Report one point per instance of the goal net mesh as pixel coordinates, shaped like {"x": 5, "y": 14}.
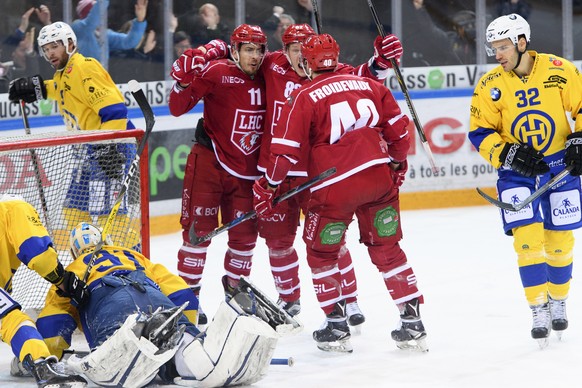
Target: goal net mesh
{"x": 72, "y": 177}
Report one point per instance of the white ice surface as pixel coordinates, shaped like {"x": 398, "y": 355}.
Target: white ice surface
{"x": 475, "y": 312}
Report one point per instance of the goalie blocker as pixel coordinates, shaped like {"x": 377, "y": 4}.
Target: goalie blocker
{"x": 236, "y": 348}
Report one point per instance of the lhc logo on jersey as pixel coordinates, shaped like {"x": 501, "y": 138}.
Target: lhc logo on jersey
{"x": 536, "y": 128}
{"x": 247, "y": 130}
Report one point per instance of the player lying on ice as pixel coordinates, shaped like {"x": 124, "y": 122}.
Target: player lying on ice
{"x": 140, "y": 319}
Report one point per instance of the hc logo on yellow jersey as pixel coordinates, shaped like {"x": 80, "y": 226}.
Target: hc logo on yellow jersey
{"x": 534, "y": 127}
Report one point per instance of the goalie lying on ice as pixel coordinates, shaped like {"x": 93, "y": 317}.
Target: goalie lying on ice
{"x": 139, "y": 321}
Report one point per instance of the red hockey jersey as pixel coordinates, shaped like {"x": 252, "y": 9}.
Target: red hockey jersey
{"x": 344, "y": 121}
{"x": 234, "y": 114}
{"x": 280, "y": 81}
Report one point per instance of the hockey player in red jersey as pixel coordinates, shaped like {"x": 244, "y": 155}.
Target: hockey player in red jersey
{"x": 355, "y": 125}
{"x": 283, "y": 74}
{"x": 222, "y": 165}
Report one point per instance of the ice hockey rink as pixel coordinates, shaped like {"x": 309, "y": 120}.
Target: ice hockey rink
{"x": 477, "y": 319}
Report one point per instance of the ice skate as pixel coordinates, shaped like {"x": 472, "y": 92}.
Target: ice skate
{"x": 17, "y": 369}
{"x": 541, "y": 327}
{"x": 334, "y": 335}
{"x": 559, "y": 317}
{"x": 292, "y": 308}
{"x": 410, "y": 333}
{"x": 355, "y": 316}
{"x": 49, "y": 373}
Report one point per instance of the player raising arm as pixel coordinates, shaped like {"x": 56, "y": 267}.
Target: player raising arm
{"x": 24, "y": 240}
{"x": 283, "y": 74}
{"x": 222, "y": 165}
{"x": 353, "y": 124}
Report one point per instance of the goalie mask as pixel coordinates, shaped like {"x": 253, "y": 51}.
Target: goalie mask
{"x": 84, "y": 238}
{"x": 506, "y": 27}
{"x": 57, "y": 32}
{"x": 320, "y": 53}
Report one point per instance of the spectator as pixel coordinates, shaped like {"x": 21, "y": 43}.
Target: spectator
{"x": 86, "y": 29}
{"x": 520, "y": 7}
{"x": 463, "y": 42}
{"x": 17, "y": 51}
{"x": 123, "y": 63}
{"x": 204, "y": 25}
{"x": 426, "y": 44}
{"x": 276, "y": 26}
{"x": 181, "y": 43}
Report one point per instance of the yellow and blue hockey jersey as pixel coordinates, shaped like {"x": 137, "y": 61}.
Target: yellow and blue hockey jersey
{"x": 529, "y": 110}
{"x": 87, "y": 97}
{"x": 24, "y": 239}
{"x": 59, "y": 318}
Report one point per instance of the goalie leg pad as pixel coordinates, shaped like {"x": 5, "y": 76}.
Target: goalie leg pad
{"x": 123, "y": 359}
{"x": 237, "y": 349}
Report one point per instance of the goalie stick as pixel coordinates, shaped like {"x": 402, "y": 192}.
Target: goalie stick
{"x": 148, "y": 115}
{"x": 195, "y": 240}
{"x": 535, "y": 195}
{"x": 35, "y": 165}
{"x": 400, "y": 78}
{"x": 290, "y": 361}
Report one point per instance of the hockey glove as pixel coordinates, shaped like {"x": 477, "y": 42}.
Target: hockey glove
{"x": 573, "y": 155}
{"x": 399, "y": 173}
{"x": 385, "y": 49}
{"x": 188, "y": 66}
{"x": 74, "y": 288}
{"x": 523, "y": 159}
{"x": 29, "y": 89}
{"x": 111, "y": 161}
{"x": 263, "y": 198}
{"x": 215, "y": 49}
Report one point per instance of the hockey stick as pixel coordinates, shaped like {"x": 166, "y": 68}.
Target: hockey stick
{"x": 83, "y": 353}
{"x": 148, "y": 115}
{"x": 404, "y": 89}
{"x": 36, "y": 166}
{"x": 517, "y": 207}
{"x": 316, "y": 16}
{"x": 195, "y": 240}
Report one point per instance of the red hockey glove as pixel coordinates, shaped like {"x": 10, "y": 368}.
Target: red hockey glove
{"x": 188, "y": 66}
{"x": 385, "y": 49}
{"x": 399, "y": 173}
{"x": 215, "y": 49}
{"x": 263, "y": 198}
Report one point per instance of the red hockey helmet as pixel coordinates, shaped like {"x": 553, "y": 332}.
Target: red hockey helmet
{"x": 246, "y": 33}
{"x": 321, "y": 52}
{"x": 297, "y": 33}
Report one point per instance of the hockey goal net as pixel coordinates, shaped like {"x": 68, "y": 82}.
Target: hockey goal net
{"x": 71, "y": 177}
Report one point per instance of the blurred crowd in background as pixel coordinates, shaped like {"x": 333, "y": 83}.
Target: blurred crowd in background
{"x": 433, "y": 32}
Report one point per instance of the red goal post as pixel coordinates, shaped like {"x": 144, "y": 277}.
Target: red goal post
{"x": 67, "y": 178}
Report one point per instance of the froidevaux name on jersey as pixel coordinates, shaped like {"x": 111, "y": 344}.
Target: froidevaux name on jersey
{"x": 338, "y": 87}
